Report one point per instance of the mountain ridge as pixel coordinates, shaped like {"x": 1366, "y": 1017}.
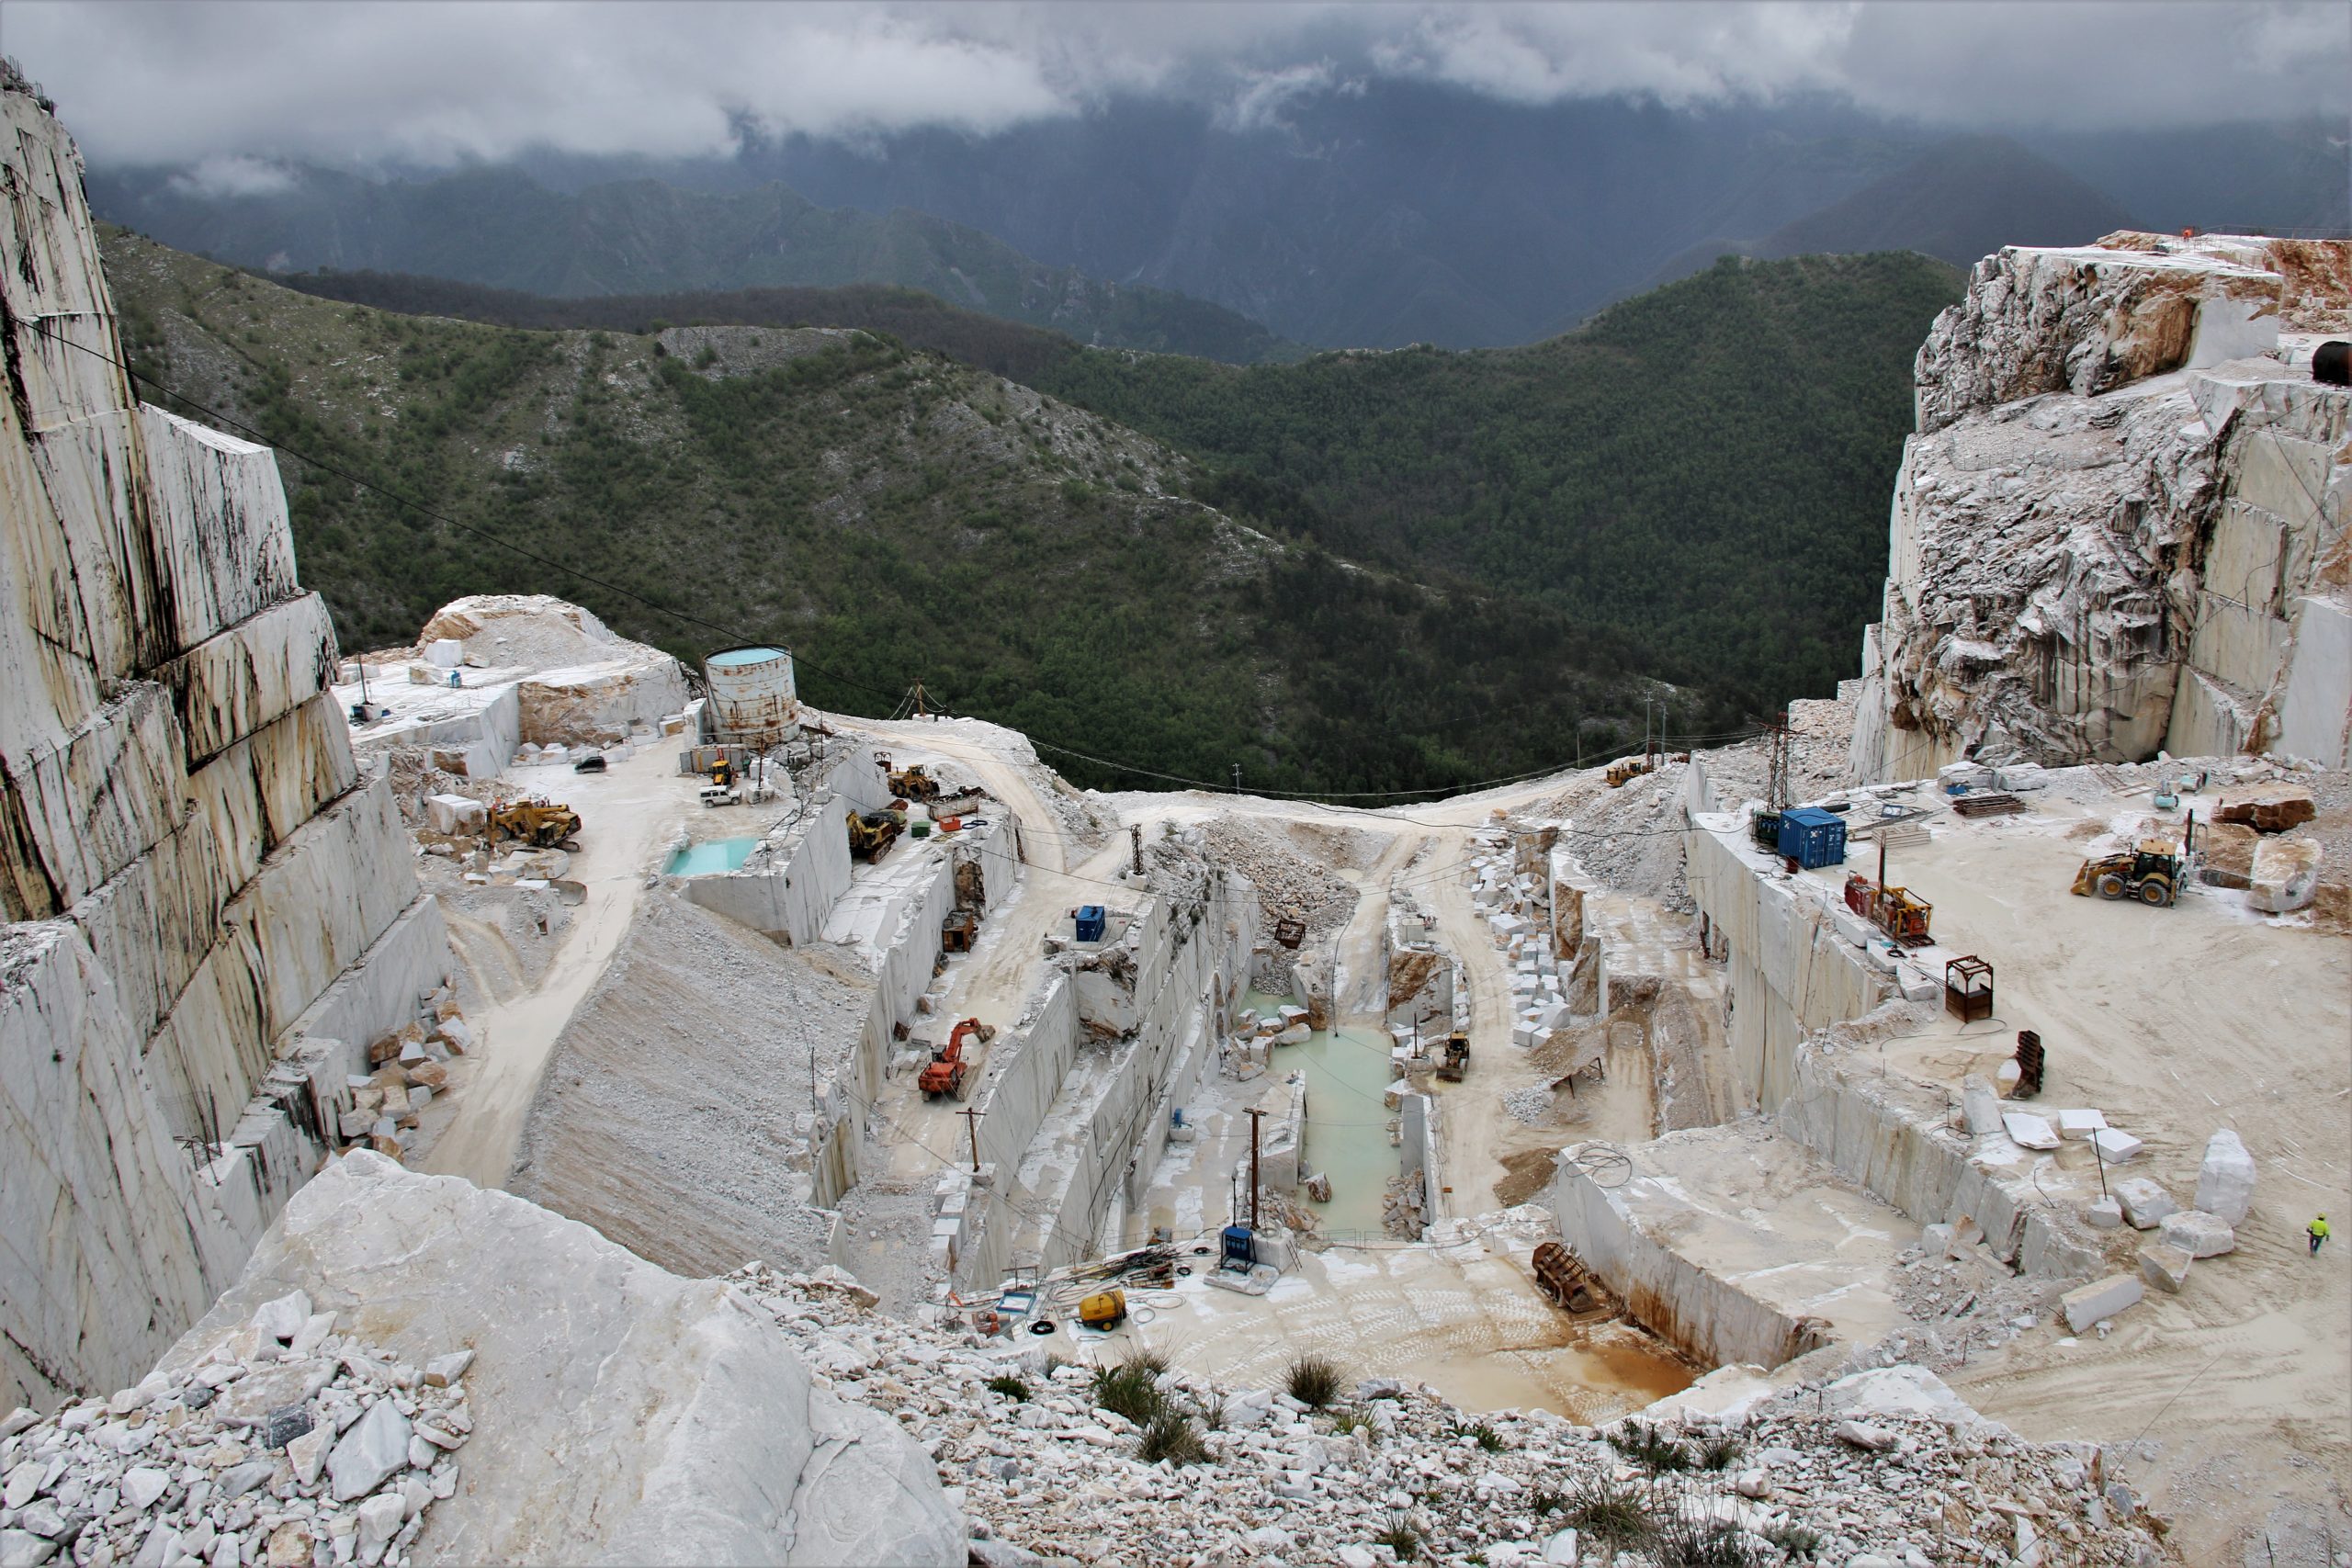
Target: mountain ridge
{"x": 498, "y": 227}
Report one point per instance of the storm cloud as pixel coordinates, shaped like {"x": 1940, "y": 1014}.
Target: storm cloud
{"x": 224, "y": 88}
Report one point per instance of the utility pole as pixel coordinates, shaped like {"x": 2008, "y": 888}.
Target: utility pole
{"x": 1237, "y": 778}
{"x": 1254, "y": 1114}
{"x": 1135, "y": 834}
{"x": 972, "y": 1120}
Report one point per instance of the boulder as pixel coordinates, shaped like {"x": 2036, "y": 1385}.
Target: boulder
{"x": 2267, "y": 808}
{"x": 2145, "y": 1205}
{"x": 2225, "y": 1182}
{"x": 2079, "y": 1123}
{"x": 2114, "y": 1145}
{"x": 2164, "y": 1265}
{"x": 1980, "y": 1105}
{"x": 2029, "y": 1130}
{"x": 1863, "y": 1436}
{"x": 2103, "y": 1213}
{"x": 2200, "y": 1235}
{"x": 2099, "y": 1300}
{"x": 730, "y": 1454}
{"x": 2285, "y": 875}
{"x": 374, "y": 1448}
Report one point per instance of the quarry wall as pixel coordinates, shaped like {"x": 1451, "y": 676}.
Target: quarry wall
{"x": 199, "y": 881}
{"x": 1799, "y": 962}
{"x": 2122, "y": 524}
{"x": 1076, "y": 1119}
{"x": 1697, "y": 1311}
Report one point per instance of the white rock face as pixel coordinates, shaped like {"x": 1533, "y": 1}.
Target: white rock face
{"x": 2090, "y": 320}
{"x": 2120, "y": 526}
{"x": 621, "y": 1414}
{"x": 2225, "y": 1180}
{"x": 197, "y": 871}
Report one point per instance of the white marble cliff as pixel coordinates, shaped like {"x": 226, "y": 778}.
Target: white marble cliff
{"x": 212, "y": 912}
{"x": 2120, "y": 526}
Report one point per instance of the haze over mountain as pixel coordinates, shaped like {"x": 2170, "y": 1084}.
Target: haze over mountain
{"x": 1960, "y": 201}
{"x": 1341, "y": 175}
{"x": 1395, "y": 213}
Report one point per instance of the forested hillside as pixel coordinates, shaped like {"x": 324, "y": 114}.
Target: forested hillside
{"x": 891, "y": 514}
{"x": 1702, "y": 469}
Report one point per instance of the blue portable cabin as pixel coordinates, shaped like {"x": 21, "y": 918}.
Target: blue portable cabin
{"x": 1092, "y": 922}
{"x": 1813, "y": 837}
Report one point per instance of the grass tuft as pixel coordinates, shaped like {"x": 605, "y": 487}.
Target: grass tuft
{"x": 1718, "y": 1453}
{"x": 1129, "y": 1390}
{"x": 1649, "y": 1447}
{"x": 1687, "y": 1543}
{"x": 1618, "y": 1516}
{"x": 1314, "y": 1381}
{"x": 1009, "y": 1385}
{"x": 1173, "y": 1436}
{"x": 1399, "y": 1537}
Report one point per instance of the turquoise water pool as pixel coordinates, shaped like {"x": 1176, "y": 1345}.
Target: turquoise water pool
{"x": 719, "y": 854}
{"x": 1347, "y": 1124}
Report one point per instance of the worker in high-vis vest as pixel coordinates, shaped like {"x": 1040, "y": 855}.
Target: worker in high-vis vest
{"x": 2318, "y": 1231}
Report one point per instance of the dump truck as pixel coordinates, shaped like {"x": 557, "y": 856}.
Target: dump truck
{"x": 2150, "y": 871}
{"x": 956, "y": 1066}
{"x": 542, "y": 824}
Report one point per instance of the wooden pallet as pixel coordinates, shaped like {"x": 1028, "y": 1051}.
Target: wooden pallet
{"x": 1988, "y": 804}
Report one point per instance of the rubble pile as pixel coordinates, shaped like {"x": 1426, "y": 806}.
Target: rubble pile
{"x": 287, "y": 1444}
{"x": 1630, "y": 837}
{"x": 406, "y": 1068}
{"x": 1875, "y": 1470}
{"x": 1289, "y": 884}
{"x": 1531, "y": 1104}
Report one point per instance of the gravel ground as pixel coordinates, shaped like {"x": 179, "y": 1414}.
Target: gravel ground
{"x": 1827, "y": 1475}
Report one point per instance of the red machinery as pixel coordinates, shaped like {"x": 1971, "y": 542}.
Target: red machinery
{"x": 949, "y": 1071}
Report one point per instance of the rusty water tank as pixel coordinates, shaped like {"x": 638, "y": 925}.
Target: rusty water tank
{"x": 752, "y": 694}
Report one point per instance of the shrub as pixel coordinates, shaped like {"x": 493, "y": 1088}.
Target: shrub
{"x": 1312, "y": 1381}
{"x": 1792, "y": 1539}
{"x": 1173, "y": 1436}
{"x": 1010, "y": 1386}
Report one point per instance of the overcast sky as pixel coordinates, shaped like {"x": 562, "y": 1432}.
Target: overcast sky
{"x": 192, "y": 80}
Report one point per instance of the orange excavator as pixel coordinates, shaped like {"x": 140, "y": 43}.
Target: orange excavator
{"x": 950, "y": 1071}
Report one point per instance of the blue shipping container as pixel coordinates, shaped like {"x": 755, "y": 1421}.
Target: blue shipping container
{"x": 1813, "y": 837}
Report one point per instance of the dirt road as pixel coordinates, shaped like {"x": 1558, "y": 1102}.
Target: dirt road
{"x": 628, "y": 813}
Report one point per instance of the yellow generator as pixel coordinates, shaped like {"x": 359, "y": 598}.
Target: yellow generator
{"x": 1107, "y": 1310}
